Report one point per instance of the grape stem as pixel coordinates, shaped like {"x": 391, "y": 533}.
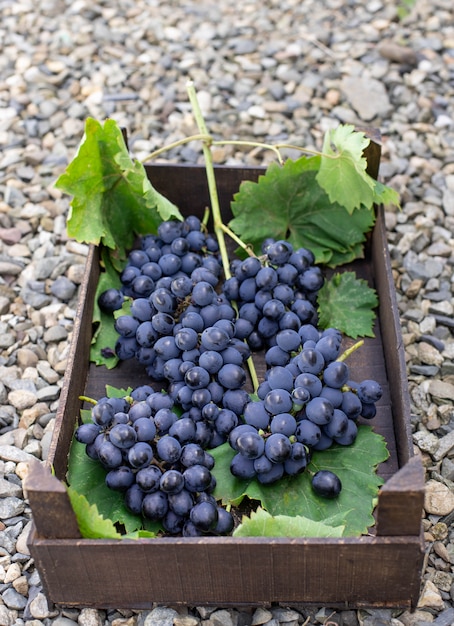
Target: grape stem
{"x": 211, "y": 179}
{"x": 346, "y": 353}
{"x": 219, "y": 227}
{"x": 87, "y": 399}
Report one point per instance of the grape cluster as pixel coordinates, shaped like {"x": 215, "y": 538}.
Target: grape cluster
{"x": 194, "y": 331}
{"x": 274, "y": 292}
{"x": 307, "y": 404}
{"x": 151, "y": 456}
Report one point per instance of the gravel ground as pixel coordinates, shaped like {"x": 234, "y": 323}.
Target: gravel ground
{"x": 268, "y": 71}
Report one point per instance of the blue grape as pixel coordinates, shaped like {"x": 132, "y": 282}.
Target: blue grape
{"x": 181, "y": 286}
{"x": 102, "y": 413}
{"x": 146, "y": 335}
{"x": 148, "y": 478}
{"x": 173, "y": 523}
{"x": 120, "y": 478}
{"x": 211, "y": 361}
{"x": 288, "y": 340}
{"x": 336, "y": 374}
{"x": 262, "y": 464}
{"x": 197, "y": 377}
{"x": 152, "y": 269}
{"x": 140, "y": 455}
{"x": 241, "y": 467}
{"x": 273, "y": 475}
{"x": 349, "y": 436}
{"x": 237, "y": 431}
{"x": 186, "y": 338}
{"x": 197, "y": 478}
{"x": 225, "y": 421}
{"x": 109, "y": 455}
{"x": 279, "y": 252}
{"x": 142, "y": 309}
{"x": 311, "y": 382}
{"x": 138, "y": 410}
{"x": 214, "y": 338}
{"x": 276, "y": 356}
{"x": 311, "y": 279}
{"x": 225, "y": 522}
{"x": 192, "y": 319}
{"x": 278, "y": 401}
{"x": 133, "y": 499}
{"x": 280, "y": 377}
{"x": 326, "y": 484}
{"x": 203, "y": 294}
{"x": 307, "y": 432}
{"x": 204, "y": 516}
{"x": 129, "y": 274}
{"x": 155, "y": 505}
{"x": 266, "y": 278}
{"x": 319, "y": 411}
{"x": 181, "y": 503}
{"x": 126, "y": 326}
{"x": 368, "y": 410}
{"x": 351, "y": 405}
{"x": 250, "y": 444}
{"x": 310, "y": 360}
{"x": 337, "y": 425}
{"x": 171, "y": 481}
{"x": 183, "y": 430}
{"x": 110, "y": 300}
{"x": 123, "y": 436}
{"x": 235, "y": 400}
{"x": 278, "y": 447}
{"x": 163, "y": 300}
{"x": 163, "y": 323}
{"x": 283, "y": 423}
{"x": 369, "y": 391}
{"x": 247, "y": 290}
{"x": 335, "y": 396}
{"x": 231, "y": 376}
{"x": 145, "y": 429}
{"x": 87, "y": 433}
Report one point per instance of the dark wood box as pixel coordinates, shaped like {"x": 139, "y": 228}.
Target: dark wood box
{"x": 381, "y": 569}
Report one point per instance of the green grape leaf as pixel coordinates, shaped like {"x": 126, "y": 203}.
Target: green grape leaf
{"x": 293, "y": 496}
{"x": 288, "y": 203}
{"x": 91, "y": 524}
{"x": 262, "y": 524}
{"x": 343, "y": 172}
{"x": 386, "y": 195}
{"x": 102, "y": 350}
{"x": 87, "y": 477}
{"x": 115, "y": 392}
{"x": 113, "y": 200}
{"x": 346, "y": 302}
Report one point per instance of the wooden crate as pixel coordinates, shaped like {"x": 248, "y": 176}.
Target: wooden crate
{"x": 381, "y": 569}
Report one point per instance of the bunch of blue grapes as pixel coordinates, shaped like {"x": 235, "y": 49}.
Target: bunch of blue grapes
{"x": 307, "y": 403}
{"x": 274, "y": 292}
{"x": 151, "y": 455}
{"x": 194, "y": 331}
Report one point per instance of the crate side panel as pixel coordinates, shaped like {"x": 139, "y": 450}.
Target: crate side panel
{"x": 134, "y": 575}
{"x": 392, "y": 340}
{"x": 77, "y": 370}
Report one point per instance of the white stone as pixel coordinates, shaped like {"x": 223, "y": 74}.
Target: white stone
{"x": 438, "y": 499}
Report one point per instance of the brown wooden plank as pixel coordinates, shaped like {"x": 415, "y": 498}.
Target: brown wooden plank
{"x": 223, "y": 571}
{"x": 401, "y": 501}
{"x": 53, "y": 515}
